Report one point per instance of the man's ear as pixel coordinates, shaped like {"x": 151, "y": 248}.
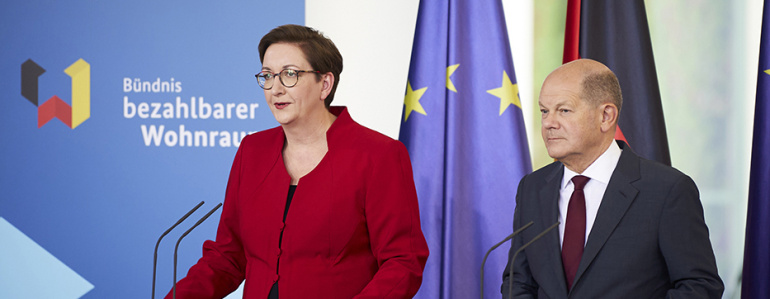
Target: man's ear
{"x": 610, "y": 115}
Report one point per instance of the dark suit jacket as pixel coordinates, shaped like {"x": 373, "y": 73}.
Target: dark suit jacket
{"x": 649, "y": 239}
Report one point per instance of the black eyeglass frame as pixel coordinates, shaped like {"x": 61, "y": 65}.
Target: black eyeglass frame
{"x": 280, "y": 77}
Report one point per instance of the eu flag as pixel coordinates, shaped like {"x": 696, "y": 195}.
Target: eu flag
{"x": 463, "y": 126}
{"x": 756, "y": 265}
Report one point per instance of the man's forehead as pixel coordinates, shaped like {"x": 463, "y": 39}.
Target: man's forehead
{"x": 556, "y": 101}
{"x": 558, "y": 95}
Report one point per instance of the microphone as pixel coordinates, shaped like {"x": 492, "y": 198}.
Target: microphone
{"x": 484, "y": 261}
{"x": 155, "y": 258}
{"x": 185, "y": 234}
{"x": 513, "y": 260}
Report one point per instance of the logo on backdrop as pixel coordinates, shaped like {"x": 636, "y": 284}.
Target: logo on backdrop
{"x": 55, "y": 107}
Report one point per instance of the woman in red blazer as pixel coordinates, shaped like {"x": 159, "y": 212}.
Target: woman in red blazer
{"x": 319, "y": 207}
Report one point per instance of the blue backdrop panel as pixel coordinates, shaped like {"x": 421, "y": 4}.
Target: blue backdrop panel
{"x": 96, "y": 197}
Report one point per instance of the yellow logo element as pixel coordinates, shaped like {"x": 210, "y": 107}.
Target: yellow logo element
{"x": 80, "y": 71}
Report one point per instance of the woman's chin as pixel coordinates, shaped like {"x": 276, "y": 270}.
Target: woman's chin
{"x": 283, "y": 117}
{"x": 283, "y": 120}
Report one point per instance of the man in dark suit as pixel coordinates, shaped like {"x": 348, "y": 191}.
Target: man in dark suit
{"x": 629, "y": 227}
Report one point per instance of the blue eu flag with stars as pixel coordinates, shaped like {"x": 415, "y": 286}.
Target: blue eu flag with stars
{"x": 463, "y": 127}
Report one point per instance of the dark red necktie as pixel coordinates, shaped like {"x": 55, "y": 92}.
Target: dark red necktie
{"x": 574, "y": 230}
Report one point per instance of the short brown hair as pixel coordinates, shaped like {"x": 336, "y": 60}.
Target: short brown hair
{"x": 602, "y": 87}
{"x": 319, "y": 50}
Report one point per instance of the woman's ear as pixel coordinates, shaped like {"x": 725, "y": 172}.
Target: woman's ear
{"x": 328, "y": 83}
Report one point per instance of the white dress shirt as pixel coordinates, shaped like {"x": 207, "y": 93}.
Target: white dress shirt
{"x": 599, "y": 173}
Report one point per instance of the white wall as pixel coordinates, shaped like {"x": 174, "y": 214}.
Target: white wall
{"x": 375, "y": 39}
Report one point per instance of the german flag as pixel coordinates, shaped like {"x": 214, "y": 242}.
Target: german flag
{"x": 616, "y": 34}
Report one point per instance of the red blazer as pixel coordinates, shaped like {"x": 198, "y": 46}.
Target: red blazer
{"x": 352, "y": 231}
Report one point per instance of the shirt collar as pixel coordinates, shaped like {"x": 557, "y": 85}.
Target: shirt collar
{"x": 600, "y": 170}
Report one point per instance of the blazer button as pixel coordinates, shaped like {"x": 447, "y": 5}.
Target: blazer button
{"x": 278, "y": 253}
{"x": 275, "y": 278}
{"x": 280, "y": 228}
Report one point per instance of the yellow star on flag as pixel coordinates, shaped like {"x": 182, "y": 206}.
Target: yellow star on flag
{"x": 767, "y": 72}
{"x": 449, "y": 71}
{"x": 508, "y": 93}
{"x": 412, "y": 100}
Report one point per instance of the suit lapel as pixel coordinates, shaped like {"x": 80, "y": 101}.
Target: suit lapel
{"x": 615, "y": 202}
{"x": 549, "y": 209}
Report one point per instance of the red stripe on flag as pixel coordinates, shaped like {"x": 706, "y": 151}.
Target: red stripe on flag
{"x": 619, "y": 135}
{"x": 572, "y": 32}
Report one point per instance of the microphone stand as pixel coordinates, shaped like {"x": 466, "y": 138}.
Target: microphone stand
{"x": 513, "y": 260}
{"x": 155, "y": 258}
{"x": 484, "y": 261}
{"x": 185, "y": 234}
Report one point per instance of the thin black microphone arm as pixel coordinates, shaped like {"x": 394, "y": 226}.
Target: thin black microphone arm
{"x": 513, "y": 260}
{"x": 185, "y": 234}
{"x": 155, "y": 255}
{"x": 484, "y": 261}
